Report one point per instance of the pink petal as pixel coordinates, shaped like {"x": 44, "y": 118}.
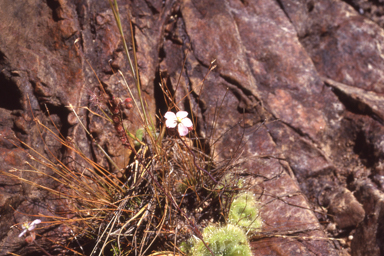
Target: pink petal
{"x": 170, "y": 123}
{"x": 33, "y": 224}
{"x": 22, "y": 233}
{"x": 187, "y": 122}
{"x": 182, "y": 129}
{"x": 36, "y": 221}
{"x": 170, "y": 116}
{"x": 181, "y": 114}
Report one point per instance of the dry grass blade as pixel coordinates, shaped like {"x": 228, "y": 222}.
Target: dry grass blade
{"x": 171, "y": 188}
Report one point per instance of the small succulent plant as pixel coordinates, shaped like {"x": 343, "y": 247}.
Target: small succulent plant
{"x": 229, "y": 240}
{"x": 244, "y": 212}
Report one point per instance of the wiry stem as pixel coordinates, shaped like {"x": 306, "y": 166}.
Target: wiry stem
{"x": 41, "y": 248}
{"x": 170, "y": 198}
{"x": 194, "y": 161}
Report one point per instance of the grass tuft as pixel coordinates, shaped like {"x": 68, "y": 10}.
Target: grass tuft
{"x": 170, "y": 190}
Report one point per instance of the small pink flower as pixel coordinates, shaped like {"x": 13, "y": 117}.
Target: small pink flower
{"x": 29, "y": 226}
{"x": 183, "y": 123}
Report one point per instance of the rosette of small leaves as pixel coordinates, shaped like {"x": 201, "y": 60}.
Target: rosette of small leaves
{"x": 229, "y": 240}
{"x": 244, "y": 212}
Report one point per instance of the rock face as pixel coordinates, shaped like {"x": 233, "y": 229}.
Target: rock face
{"x": 298, "y": 91}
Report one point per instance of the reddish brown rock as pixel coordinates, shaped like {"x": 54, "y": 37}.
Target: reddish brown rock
{"x": 369, "y": 238}
{"x": 343, "y": 207}
{"x": 297, "y": 93}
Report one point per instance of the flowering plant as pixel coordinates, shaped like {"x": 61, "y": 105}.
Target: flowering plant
{"x": 29, "y": 226}
{"x": 180, "y": 119}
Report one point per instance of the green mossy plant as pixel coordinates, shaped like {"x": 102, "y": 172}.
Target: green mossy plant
{"x": 231, "y": 180}
{"x": 229, "y": 240}
{"x": 244, "y": 212}
{"x": 186, "y": 247}
{"x": 140, "y": 134}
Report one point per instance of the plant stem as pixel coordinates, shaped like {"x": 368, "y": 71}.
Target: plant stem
{"x": 194, "y": 160}
{"x": 171, "y": 199}
{"x": 41, "y": 248}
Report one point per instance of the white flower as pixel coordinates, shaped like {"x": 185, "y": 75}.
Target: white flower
{"x": 183, "y": 123}
{"x": 29, "y": 226}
